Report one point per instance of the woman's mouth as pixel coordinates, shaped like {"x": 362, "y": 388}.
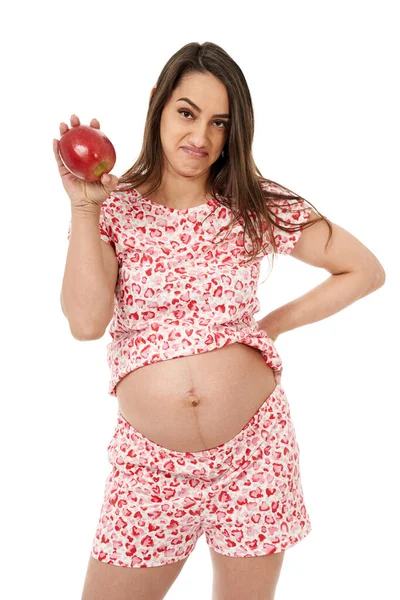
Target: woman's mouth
{"x": 194, "y": 154}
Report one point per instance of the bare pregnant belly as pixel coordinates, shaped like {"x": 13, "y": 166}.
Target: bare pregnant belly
{"x": 193, "y": 403}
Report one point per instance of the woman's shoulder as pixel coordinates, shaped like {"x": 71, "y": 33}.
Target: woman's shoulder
{"x": 121, "y": 198}
{"x": 273, "y": 186}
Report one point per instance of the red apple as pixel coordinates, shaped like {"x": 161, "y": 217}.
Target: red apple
{"x": 86, "y": 152}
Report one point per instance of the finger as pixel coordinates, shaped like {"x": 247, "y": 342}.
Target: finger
{"x": 56, "y": 153}
{"x": 95, "y": 123}
{"x": 75, "y": 120}
{"x": 63, "y": 128}
{"x": 57, "y": 156}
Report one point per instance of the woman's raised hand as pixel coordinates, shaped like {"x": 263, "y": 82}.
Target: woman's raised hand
{"x": 83, "y": 194}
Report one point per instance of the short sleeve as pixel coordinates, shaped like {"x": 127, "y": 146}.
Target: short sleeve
{"x": 105, "y": 223}
{"x": 288, "y": 212}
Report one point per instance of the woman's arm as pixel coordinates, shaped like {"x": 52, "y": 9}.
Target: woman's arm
{"x": 355, "y": 273}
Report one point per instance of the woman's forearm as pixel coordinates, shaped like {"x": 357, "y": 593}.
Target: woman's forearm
{"x": 328, "y": 298}
{"x": 86, "y": 297}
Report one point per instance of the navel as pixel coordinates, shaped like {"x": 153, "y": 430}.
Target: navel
{"x": 194, "y": 400}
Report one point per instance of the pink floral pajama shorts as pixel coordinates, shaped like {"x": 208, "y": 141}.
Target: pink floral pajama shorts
{"x": 245, "y": 495}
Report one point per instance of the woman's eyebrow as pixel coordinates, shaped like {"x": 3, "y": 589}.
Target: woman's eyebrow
{"x": 226, "y": 116}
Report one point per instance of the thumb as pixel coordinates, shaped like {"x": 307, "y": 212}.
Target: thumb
{"x": 109, "y": 181}
{"x": 278, "y": 376}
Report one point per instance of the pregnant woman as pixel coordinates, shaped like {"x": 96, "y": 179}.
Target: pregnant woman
{"x": 170, "y": 255}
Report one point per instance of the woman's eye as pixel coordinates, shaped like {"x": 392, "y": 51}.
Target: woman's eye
{"x": 224, "y": 123}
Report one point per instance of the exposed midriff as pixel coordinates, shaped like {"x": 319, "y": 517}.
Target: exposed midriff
{"x": 196, "y": 402}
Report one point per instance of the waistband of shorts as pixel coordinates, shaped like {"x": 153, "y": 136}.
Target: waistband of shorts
{"x": 138, "y": 448}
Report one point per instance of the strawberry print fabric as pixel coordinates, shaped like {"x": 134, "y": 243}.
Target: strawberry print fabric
{"x": 245, "y": 495}
{"x": 178, "y": 293}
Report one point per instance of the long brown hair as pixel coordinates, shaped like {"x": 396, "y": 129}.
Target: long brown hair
{"x": 234, "y": 179}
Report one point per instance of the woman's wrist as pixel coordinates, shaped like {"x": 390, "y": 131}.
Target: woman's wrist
{"x": 269, "y": 327}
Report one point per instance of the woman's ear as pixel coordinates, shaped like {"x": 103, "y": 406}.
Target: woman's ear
{"x": 152, "y": 92}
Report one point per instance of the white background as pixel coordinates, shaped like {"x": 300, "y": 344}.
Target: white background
{"x": 323, "y": 79}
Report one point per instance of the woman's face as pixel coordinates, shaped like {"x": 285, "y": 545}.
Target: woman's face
{"x": 183, "y": 125}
